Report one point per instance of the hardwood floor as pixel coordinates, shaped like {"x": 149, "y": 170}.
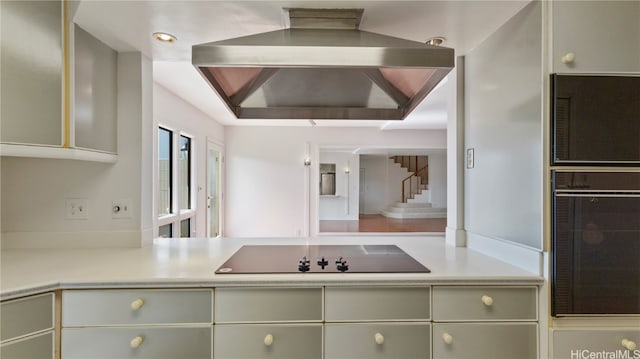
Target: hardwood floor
{"x": 380, "y": 223}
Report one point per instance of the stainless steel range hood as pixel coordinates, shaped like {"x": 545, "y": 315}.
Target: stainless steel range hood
{"x": 322, "y": 67}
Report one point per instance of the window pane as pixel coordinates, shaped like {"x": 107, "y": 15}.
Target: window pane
{"x": 165, "y": 231}
{"x": 164, "y": 171}
{"x": 185, "y": 228}
{"x": 185, "y": 172}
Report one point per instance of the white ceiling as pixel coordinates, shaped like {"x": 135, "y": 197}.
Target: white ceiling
{"x": 128, "y": 25}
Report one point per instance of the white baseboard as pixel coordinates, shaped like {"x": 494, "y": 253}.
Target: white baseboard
{"x": 456, "y": 237}
{"x": 527, "y": 258}
{"x": 85, "y": 239}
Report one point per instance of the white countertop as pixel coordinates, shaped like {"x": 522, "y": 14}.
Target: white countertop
{"x": 192, "y": 263}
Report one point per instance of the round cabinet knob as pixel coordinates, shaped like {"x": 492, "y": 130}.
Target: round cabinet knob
{"x": 447, "y": 338}
{"x": 628, "y": 344}
{"x": 268, "y": 340}
{"x": 379, "y": 338}
{"x": 487, "y": 300}
{"x": 137, "y": 304}
{"x": 136, "y": 342}
{"x": 568, "y": 58}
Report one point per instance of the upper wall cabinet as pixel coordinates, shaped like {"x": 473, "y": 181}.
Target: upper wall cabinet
{"x": 31, "y": 61}
{"x": 596, "y": 36}
{"x": 58, "y": 97}
{"x": 95, "y": 120}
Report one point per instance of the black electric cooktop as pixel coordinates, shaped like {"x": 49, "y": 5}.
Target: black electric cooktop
{"x": 262, "y": 259}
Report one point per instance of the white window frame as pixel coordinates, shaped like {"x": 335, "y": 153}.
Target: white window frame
{"x": 177, "y": 215}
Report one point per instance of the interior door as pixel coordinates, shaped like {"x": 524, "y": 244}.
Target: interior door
{"x": 214, "y": 189}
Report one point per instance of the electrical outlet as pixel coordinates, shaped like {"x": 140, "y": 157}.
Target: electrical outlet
{"x": 121, "y": 208}
{"x": 77, "y": 208}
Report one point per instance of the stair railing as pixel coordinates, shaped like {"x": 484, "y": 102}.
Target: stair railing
{"x": 414, "y": 184}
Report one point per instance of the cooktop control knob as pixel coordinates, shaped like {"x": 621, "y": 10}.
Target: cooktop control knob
{"x": 323, "y": 263}
{"x": 342, "y": 265}
{"x": 303, "y": 265}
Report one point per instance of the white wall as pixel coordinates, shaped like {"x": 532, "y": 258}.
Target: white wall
{"x": 34, "y": 190}
{"x": 172, "y": 112}
{"x": 438, "y": 179}
{"x": 344, "y": 205}
{"x": 503, "y": 123}
{"x": 268, "y": 185}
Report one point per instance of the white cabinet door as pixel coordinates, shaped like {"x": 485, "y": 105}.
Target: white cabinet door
{"x": 377, "y": 303}
{"x": 261, "y": 305}
{"x": 137, "y": 342}
{"x": 604, "y": 36}
{"x": 31, "y": 72}
{"x": 377, "y": 340}
{"x": 485, "y": 340}
{"x": 136, "y": 307}
{"x": 95, "y": 93}
{"x": 25, "y": 316}
{"x": 580, "y": 343}
{"x": 245, "y": 341}
{"x": 38, "y": 346}
{"x": 484, "y": 303}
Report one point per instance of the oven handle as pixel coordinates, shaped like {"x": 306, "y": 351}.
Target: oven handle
{"x": 599, "y": 195}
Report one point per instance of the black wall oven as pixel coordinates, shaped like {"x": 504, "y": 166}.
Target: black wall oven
{"x": 596, "y": 120}
{"x": 596, "y": 243}
{"x": 595, "y": 138}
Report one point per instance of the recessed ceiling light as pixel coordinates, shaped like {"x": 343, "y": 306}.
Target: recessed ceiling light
{"x": 436, "y": 41}
{"x": 164, "y": 37}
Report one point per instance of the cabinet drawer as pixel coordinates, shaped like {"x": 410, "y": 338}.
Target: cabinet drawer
{"x": 245, "y": 341}
{"x": 135, "y": 307}
{"x": 120, "y": 342}
{"x": 26, "y": 315}
{"x": 485, "y": 341}
{"x": 572, "y": 343}
{"x": 377, "y": 340}
{"x": 484, "y": 303}
{"x": 37, "y": 346}
{"x": 255, "y": 305}
{"x": 377, "y": 303}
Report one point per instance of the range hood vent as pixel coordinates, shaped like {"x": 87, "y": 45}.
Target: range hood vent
{"x": 322, "y": 67}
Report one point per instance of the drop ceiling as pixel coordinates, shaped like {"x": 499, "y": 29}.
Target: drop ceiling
{"x": 128, "y": 26}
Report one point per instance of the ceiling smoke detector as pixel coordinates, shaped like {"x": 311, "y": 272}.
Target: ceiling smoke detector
{"x": 436, "y": 41}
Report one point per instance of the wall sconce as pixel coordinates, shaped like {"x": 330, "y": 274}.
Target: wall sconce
{"x": 347, "y": 170}
{"x": 307, "y": 161}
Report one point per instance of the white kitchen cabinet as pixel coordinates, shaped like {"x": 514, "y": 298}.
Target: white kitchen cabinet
{"x": 27, "y": 327}
{"x": 484, "y": 303}
{"x": 602, "y": 36}
{"x": 37, "y": 106}
{"x": 580, "y": 343}
{"x": 377, "y": 322}
{"x": 244, "y": 341}
{"x": 95, "y": 90}
{"x": 142, "y": 323}
{"x": 377, "y": 303}
{"x": 491, "y": 322}
{"x": 377, "y": 340}
{"x": 32, "y": 72}
{"x": 268, "y": 305}
{"x": 485, "y": 340}
{"x": 259, "y": 322}
{"x": 136, "y": 306}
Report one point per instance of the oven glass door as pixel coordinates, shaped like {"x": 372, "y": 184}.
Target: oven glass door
{"x": 596, "y": 264}
{"x": 596, "y": 119}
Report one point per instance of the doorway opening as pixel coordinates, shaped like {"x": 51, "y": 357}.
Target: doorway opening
{"x": 395, "y": 191}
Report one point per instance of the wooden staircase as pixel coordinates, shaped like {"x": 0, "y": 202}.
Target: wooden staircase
{"x": 418, "y": 181}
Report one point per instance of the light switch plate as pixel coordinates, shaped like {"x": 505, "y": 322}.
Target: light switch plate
{"x": 470, "y": 159}
{"x": 76, "y": 208}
